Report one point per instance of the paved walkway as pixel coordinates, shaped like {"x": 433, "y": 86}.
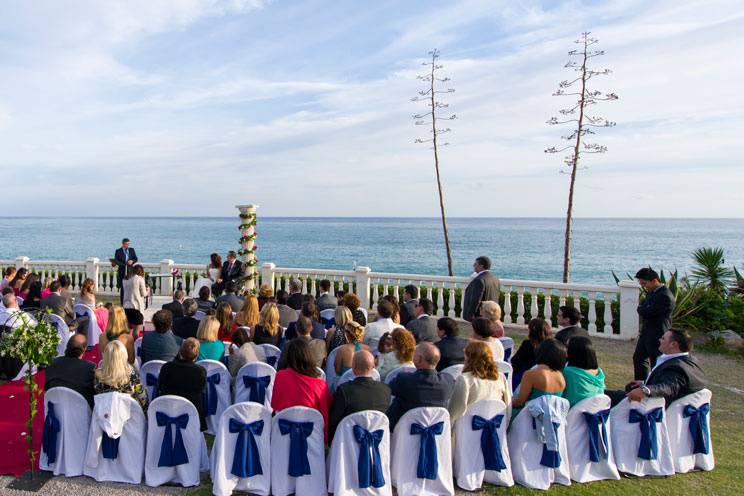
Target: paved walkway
{"x": 79, "y": 486}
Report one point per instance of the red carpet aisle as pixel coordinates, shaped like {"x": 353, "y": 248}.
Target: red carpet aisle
{"x": 13, "y": 415}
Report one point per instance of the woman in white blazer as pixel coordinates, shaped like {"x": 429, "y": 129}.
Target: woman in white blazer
{"x": 135, "y": 293}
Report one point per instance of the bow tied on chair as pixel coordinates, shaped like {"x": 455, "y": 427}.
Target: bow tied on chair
{"x": 151, "y": 381}
{"x": 369, "y": 465}
{"x": 257, "y": 387}
{"x": 49, "y": 434}
{"x": 299, "y": 464}
{"x": 172, "y": 453}
{"x": 698, "y": 427}
{"x": 490, "y": 442}
{"x": 550, "y": 458}
{"x": 109, "y": 447}
{"x": 596, "y": 426}
{"x": 649, "y": 446}
{"x": 247, "y": 458}
{"x": 428, "y": 462}
{"x": 210, "y": 394}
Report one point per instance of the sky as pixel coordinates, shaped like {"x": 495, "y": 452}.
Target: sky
{"x": 190, "y": 107}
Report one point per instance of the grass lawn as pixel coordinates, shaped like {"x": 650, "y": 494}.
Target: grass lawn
{"x": 726, "y": 377}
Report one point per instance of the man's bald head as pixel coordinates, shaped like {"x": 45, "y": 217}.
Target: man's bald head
{"x": 427, "y": 356}
{"x": 76, "y": 346}
{"x": 363, "y": 363}
{"x": 9, "y": 301}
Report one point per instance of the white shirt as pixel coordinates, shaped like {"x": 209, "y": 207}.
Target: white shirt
{"x": 374, "y": 331}
{"x": 664, "y": 358}
{"x": 14, "y": 317}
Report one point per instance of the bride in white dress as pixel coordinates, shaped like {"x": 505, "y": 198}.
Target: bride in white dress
{"x": 214, "y": 271}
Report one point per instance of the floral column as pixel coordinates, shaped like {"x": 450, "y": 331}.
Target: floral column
{"x": 247, "y": 246}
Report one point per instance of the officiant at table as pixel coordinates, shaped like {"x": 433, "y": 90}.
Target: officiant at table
{"x": 124, "y": 258}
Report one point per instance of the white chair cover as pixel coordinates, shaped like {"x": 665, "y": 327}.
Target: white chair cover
{"x": 403, "y": 369}
{"x": 526, "y": 450}
{"x": 343, "y": 458}
{"x": 216, "y": 371}
{"x": 222, "y": 468}
{"x": 311, "y": 484}
{"x": 681, "y": 436}
{"x": 149, "y": 373}
{"x": 454, "y": 370}
{"x": 92, "y": 331}
{"x": 72, "y": 415}
{"x": 405, "y": 454}
{"x": 508, "y": 344}
{"x": 506, "y": 369}
{"x": 186, "y": 474}
{"x": 254, "y": 369}
{"x": 138, "y": 352}
{"x": 328, "y": 314}
{"x": 330, "y": 369}
{"x": 469, "y": 462}
{"x": 129, "y": 463}
{"x": 626, "y": 439}
{"x": 62, "y": 329}
{"x": 199, "y": 314}
{"x": 583, "y": 469}
{"x": 349, "y": 376}
{"x": 321, "y": 372}
{"x": 272, "y": 354}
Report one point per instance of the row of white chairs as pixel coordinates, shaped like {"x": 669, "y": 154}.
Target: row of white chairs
{"x": 285, "y": 454}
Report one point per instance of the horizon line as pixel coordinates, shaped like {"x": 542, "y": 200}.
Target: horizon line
{"x": 349, "y": 217}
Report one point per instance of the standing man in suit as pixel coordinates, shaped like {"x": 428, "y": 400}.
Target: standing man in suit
{"x": 483, "y": 287}
{"x": 363, "y": 393}
{"x": 124, "y": 258}
{"x": 424, "y": 326}
{"x": 326, "y": 301}
{"x": 656, "y": 318}
{"x": 568, "y": 323}
{"x": 232, "y": 269}
{"x": 71, "y": 371}
{"x": 408, "y": 308}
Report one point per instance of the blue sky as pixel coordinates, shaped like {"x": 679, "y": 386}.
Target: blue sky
{"x": 189, "y": 107}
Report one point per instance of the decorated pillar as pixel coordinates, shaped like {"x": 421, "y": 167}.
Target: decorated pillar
{"x": 248, "y": 246}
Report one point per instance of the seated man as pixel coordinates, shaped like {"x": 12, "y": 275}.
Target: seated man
{"x": 161, "y": 344}
{"x": 408, "y": 308}
{"x": 183, "y": 377}
{"x": 187, "y": 326}
{"x": 235, "y": 301}
{"x": 317, "y": 347}
{"x": 424, "y": 387}
{"x": 326, "y": 301}
{"x": 287, "y": 314}
{"x": 11, "y": 316}
{"x": 71, "y": 371}
{"x": 423, "y": 326}
{"x": 568, "y": 323}
{"x": 176, "y": 306}
{"x": 384, "y": 323}
{"x": 451, "y": 346}
{"x": 363, "y": 393}
{"x": 295, "y": 294}
{"x": 58, "y": 303}
{"x": 675, "y": 375}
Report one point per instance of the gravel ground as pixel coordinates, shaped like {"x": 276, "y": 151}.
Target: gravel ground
{"x": 79, "y": 486}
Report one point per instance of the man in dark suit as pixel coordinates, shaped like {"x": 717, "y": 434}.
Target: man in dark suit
{"x": 183, "y": 377}
{"x": 176, "y": 306}
{"x": 675, "y": 375}
{"x": 187, "y": 326}
{"x": 656, "y": 318}
{"x": 408, "y": 308}
{"x": 71, "y": 371}
{"x": 124, "y": 259}
{"x": 303, "y": 326}
{"x": 424, "y": 326}
{"x": 568, "y": 323}
{"x": 363, "y": 393}
{"x": 425, "y": 387}
{"x": 287, "y": 315}
{"x": 309, "y": 310}
{"x": 160, "y": 344}
{"x": 295, "y": 294}
{"x": 235, "y": 301}
{"x": 326, "y": 301}
{"x": 58, "y": 304}
{"x": 451, "y": 346}
{"x": 484, "y": 287}
{"x": 232, "y": 269}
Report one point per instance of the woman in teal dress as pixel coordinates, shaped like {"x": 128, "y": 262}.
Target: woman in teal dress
{"x": 210, "y": 348}
{"x": 584, "y": 378}
{"x": 545, "y": 378}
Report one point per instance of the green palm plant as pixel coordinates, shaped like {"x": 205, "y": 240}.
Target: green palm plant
{"x": 709, "y": 269}
{"x": 738, "y": 286}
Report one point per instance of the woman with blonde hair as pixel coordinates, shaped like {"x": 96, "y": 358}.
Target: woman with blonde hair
{"x": 268, "y": 330}
{"x": 404, "y": 344}
{"x": 248, "y": 315}
{"x": 117, "y": 329}
{"x": 87, "y": 293}
{"x": 491, "y": 311}
{"x": 265, "y": 294}
{"x": 46, "y": 290}
{"x": 114, "y": 374}
{"x": 210, "y": 348}
{"x": 224, "y": 317}
{"x": 335, "y": 336}
{"x": 354, "y": 334}
{"x": 480, "y": 380}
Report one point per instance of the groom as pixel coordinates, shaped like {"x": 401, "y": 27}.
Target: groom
{"x": 125, "y": 258}
{"x": 232, "y": 269}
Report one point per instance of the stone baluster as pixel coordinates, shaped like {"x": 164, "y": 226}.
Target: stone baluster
{"x": 577, "y": 300}
{"x": 534, "y": 307}
{"x": 440, "y": 300}
{"x": 507, "y": 305}
{"x": 520, "y": 305}
{"x": 451, "y": 301}
{"x": 267, "y": 274}
{"x": 313, "y": 287}
{"x": 362, "y": 285}
{"x": 304, "y": 285}
{"x": 385, "y": 288}
{"x": 592, "y": 318}
{"x": 548, "y": 305}
{"x": 562, "y": 297}
{"x": 375, "y": 295}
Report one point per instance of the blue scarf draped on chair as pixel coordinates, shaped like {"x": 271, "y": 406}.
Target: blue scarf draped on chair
{"x": 489, "y": 441}
{"x": 299, "y": 464}
{"x": 109, "y": 447}
{"x": 369, "y": 465}
{"x": 596, "y": 427}
{"x": 172, "y": 454}
{"x": 649, "y": 446}
{"x": 550, "y": 458}
{"x": 428, "y": 462}
{"x": 151, "y": 381}
{"x": 257, "y": 387}
{"x": 247, "y": 458}
{"x": 271, "y": 360}
{"x": 210, "y": 394}
{"x": 49, "y": 434}
{"x": 699, "y": 427}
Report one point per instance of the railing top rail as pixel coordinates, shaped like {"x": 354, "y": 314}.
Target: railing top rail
{"x": 328, "y": 272}
{"x": 56, "y": 262}
{"x": 418, "y": 277}
{"x": 190, "y": 266}
{"x": 560, "y": 285}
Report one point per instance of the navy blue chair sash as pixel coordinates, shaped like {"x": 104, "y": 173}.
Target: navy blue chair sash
{"x": 49, "y": 434}
{"x": 428, "y": 461}
{"x": 172, "y": 453}
{"x": 247, "y": 457}
{"x": 549, "y": 458}
{"x": 257, "y": 387}
{"x": 369, "y": 465}
{"x": 299, "y": 464}
{"x": 489, "y": 441}
{"x": 271, "y": 360}
{"x": 109, "y": 447}
{"x": 648, "y": 448}
{"x": 596, "y": 426}
{"x": 151, "y": 381}
{"x": 210, "y": 394}
{"x": 699, "y": 427}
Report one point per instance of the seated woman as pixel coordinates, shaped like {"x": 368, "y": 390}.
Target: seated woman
{"x": 546, "y": 378}
{"x": 117, "y": 329}
{"x": 265, "y": 295}
{"x": 224, "y": 317}
{"x": 300, "y": 384}
{"x": 87, "y": 293}
{"x": 243, "y": 351}
{"x": 204, "y": 301}
{"x": 404, "y": 344}
{"x": 210, "y": 348}
{"x": 354, "y": 333}
{"x": 46, "y": 290}
{"x": 248, "y": 315}
{"x": 538, "y": 330}
{"x": 352, "y": 302}
{"x": 33, "y": 297}
{"x": 268, "y": 331}
{"x": 396, "y": 307}
{"x": 583, "y": 376}
{"x": 335, "y": 336}
{"x": 480, "y": 380}
{"x": 491, "y": 311}
{"x": 18, "y": 281}
{"x": 114, "y": 374}
{"x": 310, "y": 311}
{"x": 484, "y": 330}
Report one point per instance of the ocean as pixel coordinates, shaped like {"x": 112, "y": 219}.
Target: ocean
{"x": 520, "y": 248}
